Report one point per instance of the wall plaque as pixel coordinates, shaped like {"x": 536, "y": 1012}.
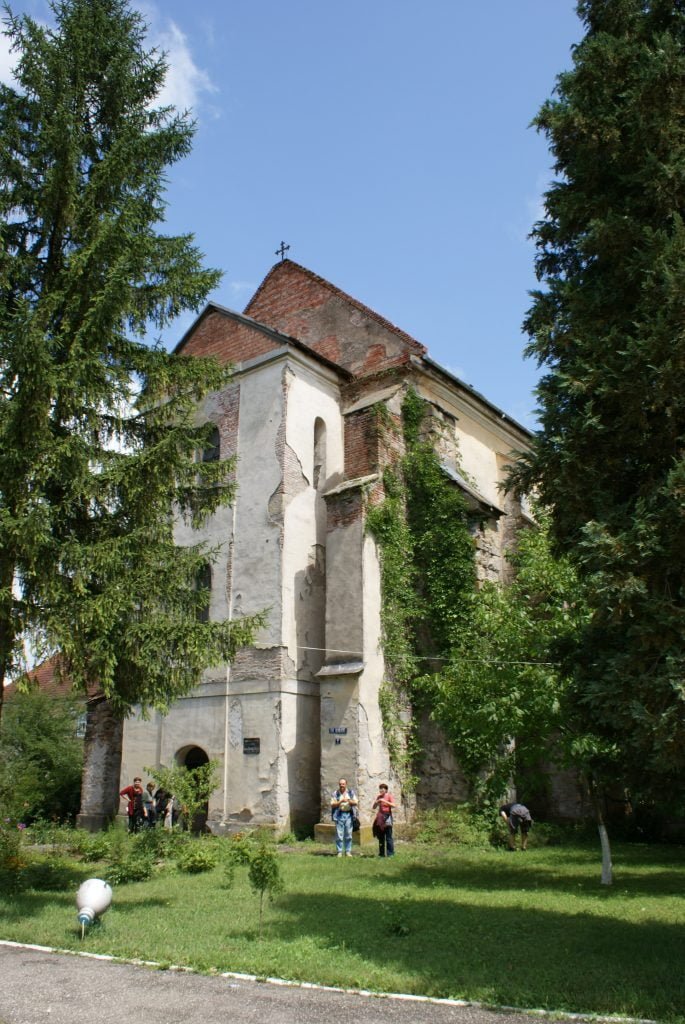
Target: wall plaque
{"x": 338, "y": 730}
{"x": 251, "y": 745}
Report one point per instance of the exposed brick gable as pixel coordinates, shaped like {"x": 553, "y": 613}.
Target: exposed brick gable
{"x": 299, "y": 303}
{"x": 216, "y": 334}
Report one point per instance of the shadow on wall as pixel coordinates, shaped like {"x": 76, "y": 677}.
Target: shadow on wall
{"x": 303, "y": 762}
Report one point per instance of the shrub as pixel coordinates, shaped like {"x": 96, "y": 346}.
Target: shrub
{"x": 48, "y": 874}
{"x": 197, "y": 856}
{"x": 13, "y": 859}
{"x": 263, "y": 871}
{"x": 129, "y": 860}
{"x": 462, "y": 824}
{"x": 159, "y": 843}
{"x": 44, "y": 832}
{"x": 93, "y": 846}
{"x": 134, "y": 868}
{"x": 287, "y": 839}
{"x": 41, "y": 757}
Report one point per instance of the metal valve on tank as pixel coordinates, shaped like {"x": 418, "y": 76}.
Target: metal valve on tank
{"x": 92, "y": 899}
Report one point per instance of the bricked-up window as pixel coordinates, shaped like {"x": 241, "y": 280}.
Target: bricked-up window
{"x": 203, "y": 585}
{"x": 212, "y": 453}
{"x": 319, "y": 452}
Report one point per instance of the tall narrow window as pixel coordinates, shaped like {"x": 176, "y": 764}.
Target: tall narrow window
{"x": 319, "y": 452}
{"x": 212, "y": 453}
{"x": 203, "y": 586}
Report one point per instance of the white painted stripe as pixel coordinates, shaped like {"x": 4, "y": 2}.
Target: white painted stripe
{"x": 365, "y": 993}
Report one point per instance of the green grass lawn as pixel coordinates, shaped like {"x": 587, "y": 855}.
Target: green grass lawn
{"x": 526, "y": 930}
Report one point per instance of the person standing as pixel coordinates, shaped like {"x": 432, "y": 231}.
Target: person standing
{"x": 149, "y": 804}
{"x": 382, "y": 823}
{"x": 135, "y": 808}
{"x": 517, "y": 817}
{"x": 343, "y": 803}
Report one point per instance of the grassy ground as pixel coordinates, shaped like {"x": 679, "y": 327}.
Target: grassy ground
{"x": 528, "y": 930}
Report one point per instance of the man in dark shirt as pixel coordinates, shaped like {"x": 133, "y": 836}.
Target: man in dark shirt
{"x": 517, "y": 816}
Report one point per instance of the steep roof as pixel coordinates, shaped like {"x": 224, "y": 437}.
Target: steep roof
{"x": 47, "y": 678}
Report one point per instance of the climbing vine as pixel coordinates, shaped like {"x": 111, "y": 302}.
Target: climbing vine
{"x": 428, "y": 574}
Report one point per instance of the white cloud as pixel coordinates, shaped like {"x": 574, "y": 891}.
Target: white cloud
{"x": 186, "y": 83}
{"x": 456, "y": 371}
{"x": 534, "y": 206}
{"x": 7, "y": 61}
{"x": 238, "y": 288}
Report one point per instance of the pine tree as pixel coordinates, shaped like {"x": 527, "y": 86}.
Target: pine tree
{"x": 607, "y": 325}
{"x": 98, "y": 429}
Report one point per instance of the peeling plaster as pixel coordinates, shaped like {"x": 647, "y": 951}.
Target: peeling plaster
{"x": 235, "y": 723}
{"x": 292, "y": 483}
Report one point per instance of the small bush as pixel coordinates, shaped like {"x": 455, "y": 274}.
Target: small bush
{"x": 196, "y": 857}
{"x": 43, "y": 832}
{"x": 397, "y": 917}
{"x": 93, "y": 846}
{"x": 160, "y": 843}
{"x": 263, "y": 872}
{"x": 287, "y": 839}
{"x": 129, "y": 861}
{"x": 48, "y": 874}
{"x": 461, "y": 824}
{"x": 13, "y": 858}
{"x": 134, "y": 868}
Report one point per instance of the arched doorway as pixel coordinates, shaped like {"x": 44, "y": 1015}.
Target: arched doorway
{"x": 192, "y": 757}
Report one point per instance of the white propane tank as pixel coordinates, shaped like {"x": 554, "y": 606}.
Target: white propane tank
{"x": 92, "y": 899}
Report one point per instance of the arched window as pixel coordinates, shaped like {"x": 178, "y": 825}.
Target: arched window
{"x": 319, "y": 452}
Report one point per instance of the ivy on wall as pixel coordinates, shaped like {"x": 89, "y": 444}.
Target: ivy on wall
{"x": 428, "y": 576}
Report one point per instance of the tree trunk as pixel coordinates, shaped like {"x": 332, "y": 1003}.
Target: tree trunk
{"x": 101, "y": 766}
{"x": 7, "y": 629}
{"x": 607, "y": 867}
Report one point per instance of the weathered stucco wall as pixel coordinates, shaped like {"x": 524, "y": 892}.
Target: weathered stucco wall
{"x": 313, "y": 415}
{"x": 301, "y": 709}
{"x": 270, "y": 556}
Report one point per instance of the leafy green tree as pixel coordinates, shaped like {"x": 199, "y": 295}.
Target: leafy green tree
{"x": 98, "y": 429}
{"x": 506, "y": 697}
{"x": 263, "y": 869}
{"x": 41, "y": 757}
{"x": 607, "y": 326}
{"x": 191, "y": 787}
{"x": 504, "y": 680}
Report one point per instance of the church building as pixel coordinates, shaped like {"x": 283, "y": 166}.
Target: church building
{"x": 312, "y": 368}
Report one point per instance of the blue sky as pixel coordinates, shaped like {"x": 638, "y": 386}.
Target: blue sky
{"x": 386, "y": 142}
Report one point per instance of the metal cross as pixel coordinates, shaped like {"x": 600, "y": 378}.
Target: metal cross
{"x": 282, "y": 250}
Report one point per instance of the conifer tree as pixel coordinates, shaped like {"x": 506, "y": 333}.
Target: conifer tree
{"x": 98, "y": 429}
{"x": 607, "y": 325}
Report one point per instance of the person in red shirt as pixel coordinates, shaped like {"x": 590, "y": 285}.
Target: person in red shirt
{"x": 135, "y": 808}
{"x": 382, "y": 823}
